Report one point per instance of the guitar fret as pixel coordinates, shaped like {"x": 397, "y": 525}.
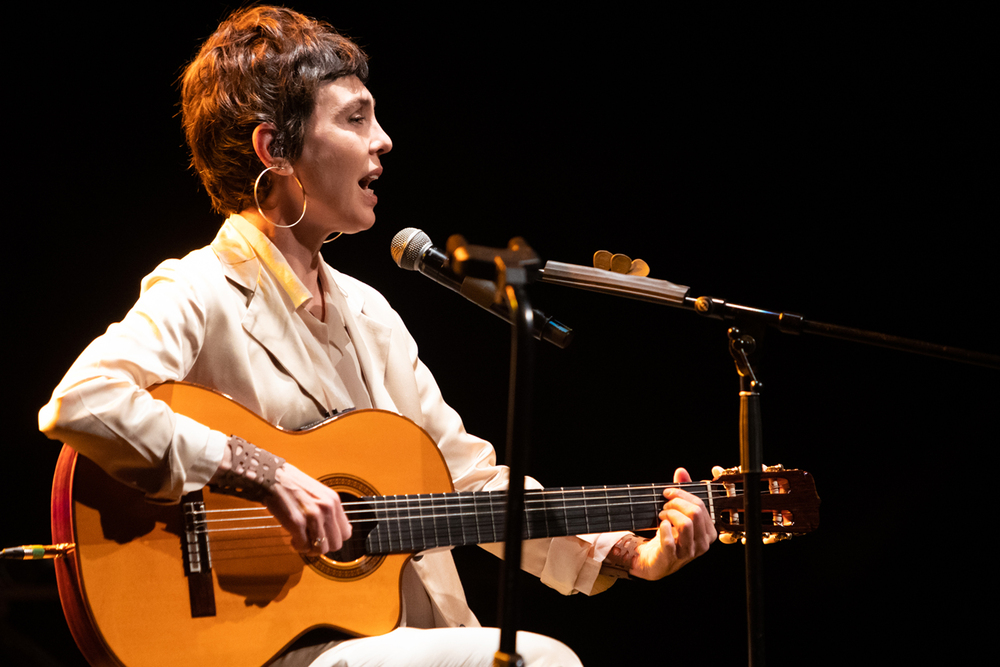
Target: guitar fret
{"x": 493, "y": 519}
{"x": 434, "y": 513}
{"x": 500, "y": 517}
{"x": 605, "y": 517}
{"x": 449, "y": 519}
{"x": 380, "y": 514}
{"x": 396, "y": 514}
{"x": 460, "y": 516}
{"x": 598, "y": 499}
{"x": 526, "y": 530}
{"x": 545, "y": 516}
{"x": 439, "y": 534}
{"x": 605, "y": 502}
{"x": 387, "y": 505}
{"x": 579, "y": 504}
{"x": 476, "y": 515}
{"x": 417, "y": 530}
{"x": 654, "y": 499}
{"x": 397, "y": 526}
{"x": 537, "y": 514}
{"x": 535, "y": 520}
{"x": 411, "y": 544}
{"x": 454, "y": 520}
{"x": 417, "y": 523}
{"x": 562, "y": 497}
{"x": 422, "y": 511}
{"x": 456, "y": 517}
{"x": 371, "y": 540}
{"x": 431, "y": 537}
{"x": 611, "y": 498}
{"x": 631, "y": 511}
{"x": 710, "y": 499}
{"x": 472, "y": 517}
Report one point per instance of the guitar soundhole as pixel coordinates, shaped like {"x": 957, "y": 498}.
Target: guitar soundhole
{"x": 352, "y": 561}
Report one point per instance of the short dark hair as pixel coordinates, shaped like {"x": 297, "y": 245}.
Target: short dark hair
{"x": 262, "y": 64}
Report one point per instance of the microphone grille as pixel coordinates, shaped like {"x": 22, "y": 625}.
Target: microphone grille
{"x": 407, "y": 247}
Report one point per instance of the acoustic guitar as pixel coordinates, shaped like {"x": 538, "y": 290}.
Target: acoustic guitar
{"x": 215, "y": 581}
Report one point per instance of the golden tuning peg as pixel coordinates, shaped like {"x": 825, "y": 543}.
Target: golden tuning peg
{"x": 619, "y": 263}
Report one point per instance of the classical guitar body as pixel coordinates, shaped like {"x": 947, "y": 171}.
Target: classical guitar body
{"x": 128, "y": 592}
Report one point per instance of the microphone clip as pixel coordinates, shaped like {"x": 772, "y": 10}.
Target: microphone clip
{"x": 516, "y": 265}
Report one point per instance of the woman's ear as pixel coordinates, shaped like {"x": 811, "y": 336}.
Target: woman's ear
{"x": 263, "y": 141}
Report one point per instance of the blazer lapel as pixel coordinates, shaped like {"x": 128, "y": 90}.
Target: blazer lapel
{"x": 269, "y": 311}
{"x": 372, "y": 342}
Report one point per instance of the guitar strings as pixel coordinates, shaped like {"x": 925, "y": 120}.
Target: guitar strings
{"x": 451, "y": 500}
{"x": 404, "y": 507}
{"x": 590, "y": 493}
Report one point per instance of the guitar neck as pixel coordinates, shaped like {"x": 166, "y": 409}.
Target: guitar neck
{"x": 411, "y": 523}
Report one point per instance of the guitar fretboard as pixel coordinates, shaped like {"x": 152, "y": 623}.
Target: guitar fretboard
{"x": 410, "y": 523}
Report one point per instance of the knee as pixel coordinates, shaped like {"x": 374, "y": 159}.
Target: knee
{"x": 542, "y": 651}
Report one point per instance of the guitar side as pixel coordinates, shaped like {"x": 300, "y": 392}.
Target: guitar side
{"x": 124, "y": 590}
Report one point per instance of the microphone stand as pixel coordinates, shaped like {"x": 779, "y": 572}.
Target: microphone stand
{"x": 669, "y": 294}
{"x": 745, "y": 346}
{"x": 745, "y": 339}
{"x": 522, "y": 366}
{"x": 512, "y": 269}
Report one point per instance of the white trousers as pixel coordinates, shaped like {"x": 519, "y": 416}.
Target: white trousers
{"x": 444, "y": 647}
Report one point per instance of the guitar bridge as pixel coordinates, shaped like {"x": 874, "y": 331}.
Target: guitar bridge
{"x": 197, "y": 557}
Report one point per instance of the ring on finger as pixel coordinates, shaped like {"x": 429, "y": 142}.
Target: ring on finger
{"x": 319, "y": 541}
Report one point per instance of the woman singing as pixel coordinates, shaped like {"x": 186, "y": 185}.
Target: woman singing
{"x": 283, "y": 133}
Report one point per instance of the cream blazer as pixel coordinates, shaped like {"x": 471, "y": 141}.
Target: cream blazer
{"x": 221, "y": 317}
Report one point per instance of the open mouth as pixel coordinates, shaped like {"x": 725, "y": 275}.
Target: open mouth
{"x": 366, "y": 182}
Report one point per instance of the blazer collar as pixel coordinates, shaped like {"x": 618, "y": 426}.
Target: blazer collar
{"x": 244, "y": 251}
{"x": 252, "y": 263}
{"x": 273, "y": 292}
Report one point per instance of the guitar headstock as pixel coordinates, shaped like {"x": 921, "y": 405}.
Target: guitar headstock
{"x": 788, "y": 501}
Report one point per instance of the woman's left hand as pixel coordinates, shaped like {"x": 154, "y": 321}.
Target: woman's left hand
{"x": 685, "y": 532}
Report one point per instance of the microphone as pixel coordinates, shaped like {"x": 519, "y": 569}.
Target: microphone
{"x": 413, "y": 250}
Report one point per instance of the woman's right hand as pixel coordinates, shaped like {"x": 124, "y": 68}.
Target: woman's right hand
{"x": 309, "y": 510}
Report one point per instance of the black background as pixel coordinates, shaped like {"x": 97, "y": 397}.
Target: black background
{"x": 832, "y": 163}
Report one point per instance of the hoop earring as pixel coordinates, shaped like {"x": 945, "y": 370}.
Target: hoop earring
{"x": 257, "y": 201}
{"x": 334, "y": 238}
